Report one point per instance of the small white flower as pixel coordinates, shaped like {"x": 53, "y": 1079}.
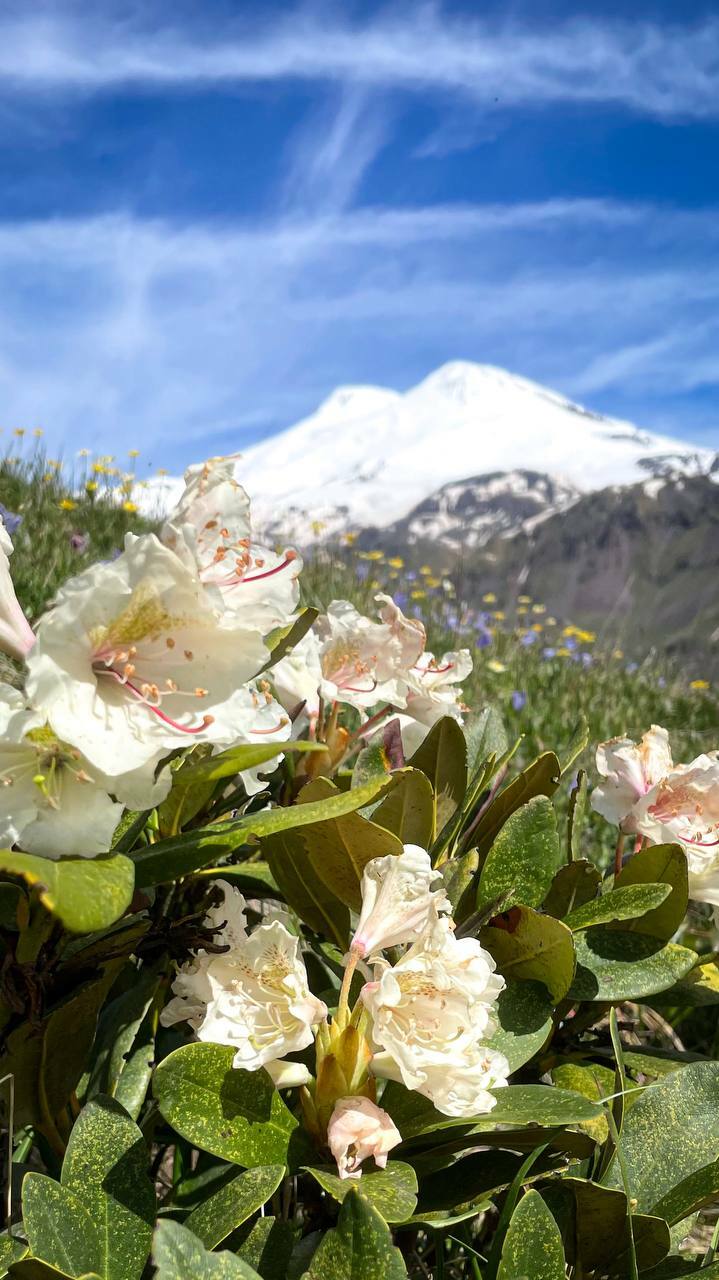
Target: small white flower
{"x": 211, "y": 529}
{"x": 397, "y": 900}
{"x": 137, "y": 658}
{"x": 430, "y": 1014}
{"x": 630, "y": 770}
{"x": 254, "y": 997}
{"x": 16, "y": 635}
{"x": 684, "y": 808}
{"x": 433, "y": 689}
{"x": 297, "y": 677}
{"x": 53, "y": 802}
{"x": 358, "y": 1129}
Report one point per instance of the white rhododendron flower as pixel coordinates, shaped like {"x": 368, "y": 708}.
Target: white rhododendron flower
{"x": 430, "y": 1014}
{"x": 53, "y": 802}
{"x": 365, "y": 662}
{"x": 358, "y": 1129}
{"x": 630, "y": 771}
{"x": 136, "y": 659}
{"x": 397, "y": 900}
{"x": 297, "y": 677}
{"x": 433, "y": 686}
{"x": 210, "y": 528}
{"x": 16, "y": 635}
{"x": 255, "y": 997}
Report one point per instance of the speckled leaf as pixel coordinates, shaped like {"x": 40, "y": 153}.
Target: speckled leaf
{"x": 266, "y": 1245}
{"x": 516, "y": 1104}
{"x": 237, "y": 1115}
{"x": 541, "y": 778}
{"x": 592, "y": 1081}
{"x": 106, "y": 1168}
{"x": 532, "y": 946}
{"x": 532, "y": 1248}
{"x": 576, "y": 816}
{"x": 524, "y": 1014}
{"x": 442, "y": 758}
{"x": 392, "y": 1191}
{"x": 358, "y": 1248}
{"x": 524, "y": 858}
{"x": 11, "y": 1250}
{"x": 625, "y": 903}
{"x": 408, "y": 811}
{"x": 700, "y": 986}
{"x": 572, "y": 886}
{"x": 34, "y": 1269}
{"x": 458, "y": 883}
{"x": 304, "y": 889}
{"x": 179, "y": 1255}
{"x": 486, "y": 736}
{"x": 59, "y": 1228}
{"x": 600, "y": 1238}
{"x": 86, "y": 894}
{"x": 622, "y": 965}
{"x": 692, "y": 1193}
{"x": 659, "y": 864}
{"x": 670, "y": 1132}
{"x": 214, "y": 1219}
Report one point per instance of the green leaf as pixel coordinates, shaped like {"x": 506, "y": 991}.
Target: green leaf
{"x": 625, "y": 903}
{"x": 219, "y": 1215}
{"x": 48, "y": 1056}
{"x": 576, "y": 745}
{"x": 170, "y": 859}
{"x": 533, "y": 946}
{"x": 86, "y": 894}
{"x": 699, "y": 1188}
{"x": 516, "y": 1105}
{"x": 134, "y": 1081}
{"x": 593, "y": 1081}
{"x": 619, "y": 965}
{"x": 700, "y": 987}
{"x": 235, "y": 1114}
{"x": 117, "y": 1029}
{"x": 283, "y": 639}
{"x": 392, "y": 1191}
{"x": 659, "y": 864}
{"x": 339, "y": 848}
{"x": 11, "y": 1250}
{"x": 227, "y": 764}
{"x": 572, "y": 886}
{"x": 541, "y": 778}
{"x": 358, "y": 1248}
{"x": 59, "y": 1228}
{"x": 106, "y": 1169}
{"x": 458, "y": 875}
{"x": 524, "y": 858}
{"x": 305, "y": 890}
{"x": 670, "y": 1133}
{"x": 178, "y": 1255}
{"x": 524, "y": 1017}
{"x": 266, "y": 1245}
{"x": 600, "y": 1233}
{"x": 442, "y": 758}
{"x": 576, "y": 816}
{"x": 408, "y": 811}
{"x": 532, "y": 1247}
{"x": 35, "y": 1269}
{"x": 486, "y": 736}
{"x": 372, "y": 762}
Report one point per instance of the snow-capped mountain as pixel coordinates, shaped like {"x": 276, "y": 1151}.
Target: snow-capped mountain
{"x": 465, "y": 514}
{"x": 370, "y": 455}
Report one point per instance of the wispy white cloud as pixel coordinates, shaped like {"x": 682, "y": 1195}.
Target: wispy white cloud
{"x": 660, "y": 69}
{"x": 186, "y": 337}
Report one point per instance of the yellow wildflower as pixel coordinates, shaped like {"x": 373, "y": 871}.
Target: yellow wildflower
{"x": 67, "y": 504}
{"x": 539, "y": 608}
{"x": 133, "y": 453}
{"x": 349, "y": 538}
{"x": 19, "y": 431}
{"x": 497, "y": 667}
{"x": 419, "y": 595}
{"x": 499, "y": 615}
{"x": 537, "y": 626}
{"x": 524, "y": 599}
{"x": 38, "y": 431}
{"x": 490, "y": 598}
{"x": 426, "y": 570}
{"x": 396, "y": 562}
{"x": 433, "y": 582}
{"x": 699, "y": 684}
{"x": 129, "y": 506}
{"x": 91, "y": 486}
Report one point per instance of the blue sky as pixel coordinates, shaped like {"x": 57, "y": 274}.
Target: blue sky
{"x": 213, "y": 213}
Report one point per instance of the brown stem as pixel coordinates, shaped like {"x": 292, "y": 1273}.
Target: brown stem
{"x": 618, "y": 854}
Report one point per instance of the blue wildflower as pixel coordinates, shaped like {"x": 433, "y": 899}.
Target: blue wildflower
{"x": 519, "y": 699}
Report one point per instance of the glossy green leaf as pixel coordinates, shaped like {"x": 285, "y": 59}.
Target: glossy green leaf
{"x": 458, "y": 877}
{"x": 670, "y": 1133}
{"x": 533, "y": 946}
{"x": 442, "y": 758}
{"x": 35, "y": 1269}
{"x": 541, "y": 778}
{"x": 600, "y": 1235}
{"x": 516, "y": 1105}
{"x": 235, "y": 1114}
{"x": 699, "y": 987}
{"x": 106, "y": 1168}
{"x": 619, "y": 965}
{"x": 170, "y": 859}
{"x": 358, "y": 1248}
{"x": 486, "y": 736}
{"x": 625, "y": 903}
{"x": 372, "y": 762}
{"x": 339, "y": 848}
{"x": 282, "y": 640}
{"x": 532, "y": 1248}
{"x": 59, "y": 1228}
{"x": 524, "y": 858}
{"x": 179, "y": 1255}
{"x": 266, "y": 1245}
{"x": 230, "y": 1206}
{"x": 524, "y": 1022}
{"x": 699, "y": 1188}
{"x": 572, "y": 886}
{"x": 576, "y": 745}
{"x": 659, "y": 864}
{"x": 408, "y": 811}
{"x": 11, "y": 1250}
{"x": 593, "y": 1081}
{"x": 392, "y": 1191}
{"x": 86, "y": 894}
{"x": 227, "y": 764}
{"x": 117, "y": 1029}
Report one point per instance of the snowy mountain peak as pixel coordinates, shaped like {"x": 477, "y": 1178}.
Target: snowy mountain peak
{"x": 352, "y": 402}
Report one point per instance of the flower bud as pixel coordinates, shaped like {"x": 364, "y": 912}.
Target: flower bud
{"x": 358, "y": 1129}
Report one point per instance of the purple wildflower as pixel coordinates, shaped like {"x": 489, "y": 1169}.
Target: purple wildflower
{"x": 519, "y": 699}
{"x": 11, "y": 520}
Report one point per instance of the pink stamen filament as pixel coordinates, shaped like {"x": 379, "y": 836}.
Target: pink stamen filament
{"x": 273, "y": 728}
{"x": 432, "y": 671}
{"x": 234, "y": 580}
{"x": 350, "y": 688}
{"x": 155, "y": 709}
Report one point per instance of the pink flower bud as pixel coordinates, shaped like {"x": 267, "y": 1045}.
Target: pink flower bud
{"x": 357, "y": 1130}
